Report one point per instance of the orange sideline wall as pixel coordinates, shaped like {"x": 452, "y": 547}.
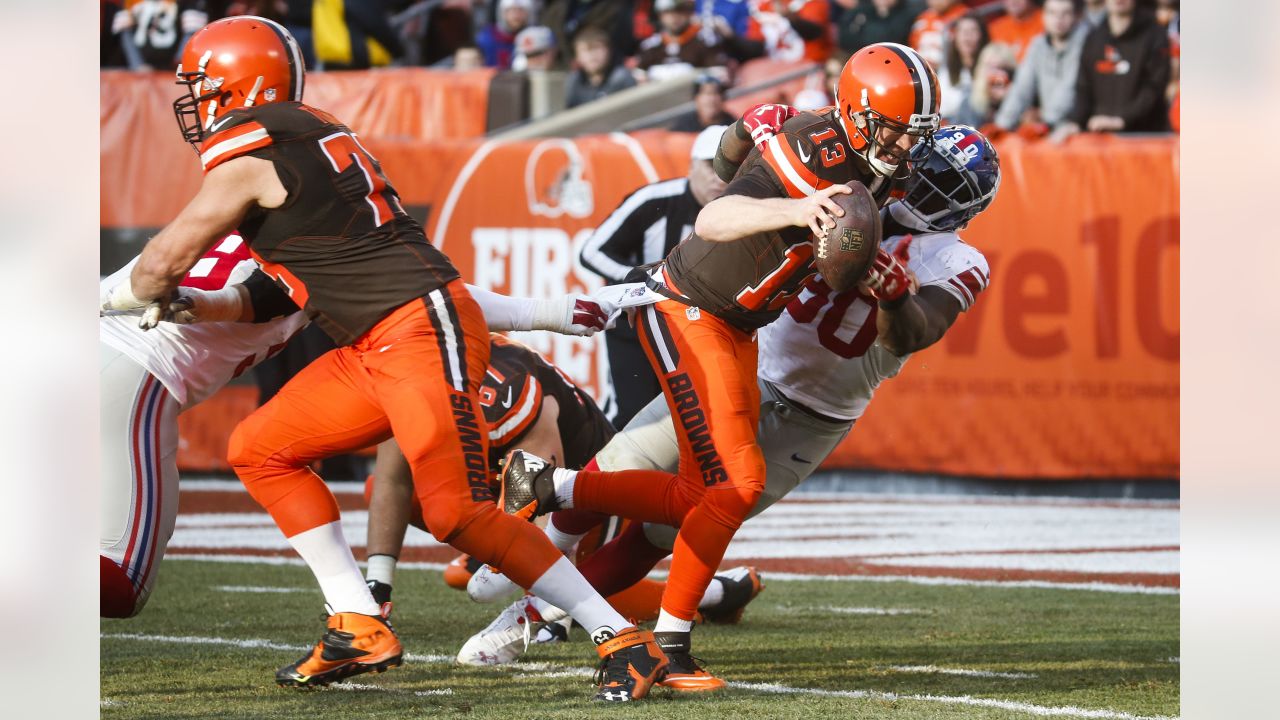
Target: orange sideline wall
{"x": 1066, "y": 367}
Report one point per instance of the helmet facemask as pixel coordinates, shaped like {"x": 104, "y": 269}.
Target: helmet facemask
{"x": 882, "y": 136}
{"x": 186, "y": 109}
{"x": 942, "y": 195}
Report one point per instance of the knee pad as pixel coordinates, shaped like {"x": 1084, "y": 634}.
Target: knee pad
{"x": 445, "y": 520}
{"x": 117, "y": 598}
{"x": 730, "y": 506}
{"x": 240, "y": 447}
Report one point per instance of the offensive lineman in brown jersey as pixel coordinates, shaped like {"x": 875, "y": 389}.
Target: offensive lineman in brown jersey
{"x": 748, "y": 255}
{"x": 321, "y": 218}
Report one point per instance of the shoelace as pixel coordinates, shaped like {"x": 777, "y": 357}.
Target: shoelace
{"x": 612, "y": 668}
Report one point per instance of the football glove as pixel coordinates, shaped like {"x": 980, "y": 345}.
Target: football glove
{"x": 765, "y": 121}
{"x": 889, "y": 280}
{"x": 573, "y": 314}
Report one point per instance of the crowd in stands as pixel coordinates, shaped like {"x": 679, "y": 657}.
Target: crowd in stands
{"x": 1040, "y": 68}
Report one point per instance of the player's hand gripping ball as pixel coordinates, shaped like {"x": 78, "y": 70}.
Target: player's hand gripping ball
{"x": 844, "y": 254}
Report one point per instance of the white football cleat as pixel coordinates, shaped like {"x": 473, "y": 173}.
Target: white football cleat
{"x": 488, "y": 585}
{"x": 506, "y": 638}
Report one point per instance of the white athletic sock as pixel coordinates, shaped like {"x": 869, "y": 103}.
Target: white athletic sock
{"x": 382, "y": 568}
{"x": 549, "y": 612}
{"x": 563, "y": 480}
{"x": 713, "y": 595}
{"x": 562, "y": 540}
{"x": 564, "y": 587}
{"x": 671, "y": 623}
{"x": 327, "y": 553}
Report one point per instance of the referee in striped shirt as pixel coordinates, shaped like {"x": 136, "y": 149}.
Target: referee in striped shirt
{"x": 642, "y": 230}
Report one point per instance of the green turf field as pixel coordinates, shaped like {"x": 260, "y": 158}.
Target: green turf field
{"x": 1071, "y": 653}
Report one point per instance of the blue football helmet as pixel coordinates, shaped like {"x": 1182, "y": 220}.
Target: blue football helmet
{"x": 954, "y": 178}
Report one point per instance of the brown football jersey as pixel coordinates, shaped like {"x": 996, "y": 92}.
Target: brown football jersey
{"x": 517, "y": 381}
{"x": 747, "y": 282}
{"x": 341, "y": 245}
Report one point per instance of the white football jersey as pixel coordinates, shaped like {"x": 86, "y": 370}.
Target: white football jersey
{"x": 194, "y": 361}
{"x": 822, "y": 352}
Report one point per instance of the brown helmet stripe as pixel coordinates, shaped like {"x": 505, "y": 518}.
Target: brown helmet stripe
{"x": 926, "y": 101}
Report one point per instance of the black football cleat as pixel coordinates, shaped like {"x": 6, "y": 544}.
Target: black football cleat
{"x": 381, "y": 593}
{"x": 527, "y": 488}
{"x": 741, "y": 586}
{"x": 630, "y": 663}
{"x": 684, "y": 671}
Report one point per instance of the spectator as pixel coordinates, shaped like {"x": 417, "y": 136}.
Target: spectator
{"x": 353, "y": 34}
{"x": 468, "y": 57}
{"x": 642, "y": 230}
{"x": 535, "y": 49}
{"x": 1124, "y": 70}
{"x": 152, "y": 33}
{"x": 1095, "y": 11}
{"x": 1021, "y": 22}
{"x": 792, "y": 30}
{"x": 873, "y": 21}
{"x": 598, "y": 72}
{"x": 1167, "y": 14}
{"x": 991, "y": 77}
{"x": 567, "y": 17}
{"x": 967, "y": 38}
{"x": 720, "y": 17}
{"x": 1043, "y": 89}
{"x": 708, "y": 106}
{"x": 676, "y": 48}
{"x": 498, "y": 41}
{"x": 929, "y": 32}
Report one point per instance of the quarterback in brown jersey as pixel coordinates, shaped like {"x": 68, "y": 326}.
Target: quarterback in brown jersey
{"x": 748, "y": 256}
{"x": 320, "y": 216}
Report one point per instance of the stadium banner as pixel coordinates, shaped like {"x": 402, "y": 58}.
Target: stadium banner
{"x": 1066, "y": 367}
{"x": 142, "y": 153}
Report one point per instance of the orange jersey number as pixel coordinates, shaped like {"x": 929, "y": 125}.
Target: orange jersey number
{"x": 767, "y": 294}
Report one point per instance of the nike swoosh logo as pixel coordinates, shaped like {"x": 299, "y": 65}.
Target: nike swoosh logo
{"x": 797, "y": 458}
{"x": 507, "y": 403}
{"x": 804, "y": 157}
{"x": 217, "y": 125}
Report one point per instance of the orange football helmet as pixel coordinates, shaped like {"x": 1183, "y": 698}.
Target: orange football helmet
{"x": 236, "y": 62}
{"x": 887, "y": 92}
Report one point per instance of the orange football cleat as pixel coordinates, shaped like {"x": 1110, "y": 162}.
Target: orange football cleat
{"x": 684, "y": 671}
{"x": 354, "y": 644}
{"x": 630, "y": 663}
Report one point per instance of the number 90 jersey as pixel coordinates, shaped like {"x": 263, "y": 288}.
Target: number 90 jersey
{"x": 341, "y": 245}
{"x": 822, "y": 352}
{"x": 747, "y": 282}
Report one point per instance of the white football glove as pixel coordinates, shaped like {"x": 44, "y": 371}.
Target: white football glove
{"x": 192, "y": 305}
{"x": 573, "y": 314}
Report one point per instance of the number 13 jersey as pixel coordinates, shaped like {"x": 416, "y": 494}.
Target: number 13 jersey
{"x": 822, "y": 352}
{"x": 748, "y": 281}
{"x": 341, "y": 244}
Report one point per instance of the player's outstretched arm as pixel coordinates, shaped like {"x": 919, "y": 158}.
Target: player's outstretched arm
{"x": 229, "y": 190}
{"x": 918, "y": 322}
{"x": 571, "y": 314}
{"x": 732, "y": 217}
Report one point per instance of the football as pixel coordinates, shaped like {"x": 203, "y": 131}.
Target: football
{"x": 844, "y": 256}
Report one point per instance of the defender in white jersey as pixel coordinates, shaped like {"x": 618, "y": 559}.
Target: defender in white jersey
{"x": 148, "y": 377}
{"x": 822, "y": 360}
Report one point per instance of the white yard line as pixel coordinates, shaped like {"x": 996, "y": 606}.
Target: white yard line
{"x": 862, "y": 610}
{"x": 259, "y": 589}
{"x": 770, "y": 576}
{"x": 553, "y": 670}
{"x": 1041, "y": 710}
{"x": 935, "y": 670}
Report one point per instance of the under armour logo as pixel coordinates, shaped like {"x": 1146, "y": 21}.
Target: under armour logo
{"x": 602, "y": 635}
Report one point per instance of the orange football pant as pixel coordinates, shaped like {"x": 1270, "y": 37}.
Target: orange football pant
{"x": 708, "y": 373}
{"x": 414, "y": 375}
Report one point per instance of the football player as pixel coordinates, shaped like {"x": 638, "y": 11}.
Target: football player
{"x": 149, "y": 378}
{"x": 820, "y": 362}
{"x": 322, "y": 219}
{"x": 749, "y": 254}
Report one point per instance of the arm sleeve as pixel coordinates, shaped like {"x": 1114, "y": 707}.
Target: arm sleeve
{"x": 1154, "y": 80}
{"x": 268, "y": 299}
{"x": 811, "y": 28}
{"x": 614, "y": 248}
{"x": 503, "y": 313}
